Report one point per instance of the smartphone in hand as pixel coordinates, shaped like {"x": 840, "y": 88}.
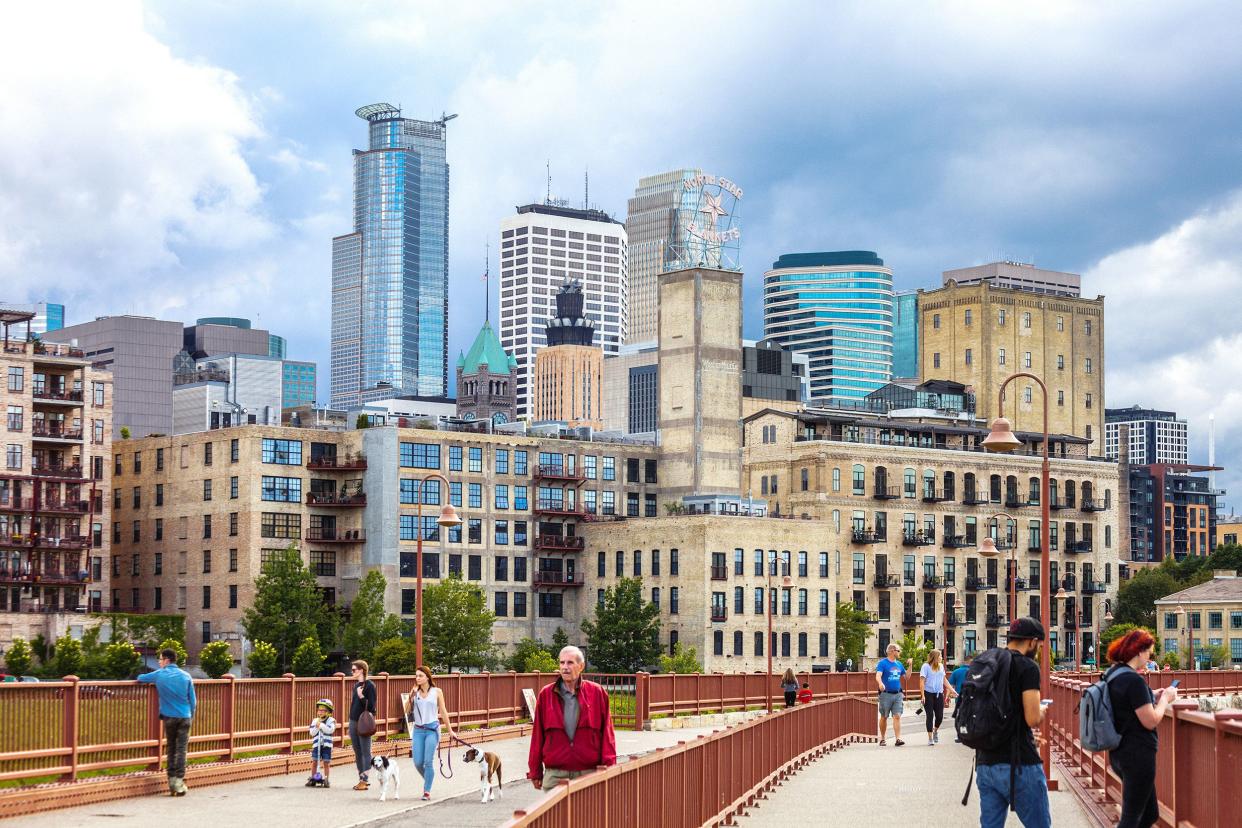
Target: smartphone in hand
{"x": 1174, "y": 683}
{"x": 1045, "y": 702}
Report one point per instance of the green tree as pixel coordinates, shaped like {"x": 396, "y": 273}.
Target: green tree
{"x": 177, "y": 647}
{"x": 216, "y": 658}
{"x": 1112, "y": 633}
{"x": 1170, "y": 659}
{"x": 308, "y": 658}
{"x": 559, "y": 642}
{"x": 368, "y": 624}
{"x": 852, "y": 632}
{"x": 914, "y": 650}
{"x": 1217, "y": 655}
{"x": 683, "y": 661}
{"x": 625, "y": 635}
{"x": 19, "y": 658}
{"x": 1136, "y": 598}
{"x": 125, "y": 432}
{"x": 362, "y": 422}
{"x": 540, "y": 661}
{"x": 68, "y": 659}
{"x": 121, "y": 660}
{"x": 394, "y": 656}
{"x": 264, "y": 660}
{"x": 528, "y": 649}
{"x": 457, "y": 625}
{"x": 287, "y": 606}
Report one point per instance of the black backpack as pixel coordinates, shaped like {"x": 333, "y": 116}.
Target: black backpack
{"x": 985, "y": 714}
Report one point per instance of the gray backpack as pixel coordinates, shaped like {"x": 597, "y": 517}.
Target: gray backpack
{"x": 1097, "y": 729}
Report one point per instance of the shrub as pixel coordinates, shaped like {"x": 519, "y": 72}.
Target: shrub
{"x": 308, "y": 658}
{"x": 19, "y": 658}
{"x": 394, "y": 656}
{"x": 539, "y": 661}
{"x": 68, "y": 659}
{"x": 216, "y": 658}
{"x": 182, "y": 657}
{"x": 121, "y": 660}
{"x": 263, "y": 660}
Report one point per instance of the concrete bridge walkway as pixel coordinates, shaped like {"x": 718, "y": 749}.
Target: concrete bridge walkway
{"x": 912, "y": 785}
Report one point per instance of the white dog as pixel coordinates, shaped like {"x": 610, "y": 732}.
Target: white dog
{"x": 389, "y": 772}
{"x": 489, "y": 766}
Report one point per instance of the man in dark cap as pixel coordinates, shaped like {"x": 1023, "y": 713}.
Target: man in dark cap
{"x": 1017, "y": 770}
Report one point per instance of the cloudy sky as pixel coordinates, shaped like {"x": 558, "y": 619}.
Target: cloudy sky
{"x": 178, "y": 160}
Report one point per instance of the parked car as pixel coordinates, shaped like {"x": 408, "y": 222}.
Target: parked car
{"x": 30, "y": 678}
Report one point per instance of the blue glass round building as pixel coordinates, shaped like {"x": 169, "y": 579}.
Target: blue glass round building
{"x": 837, "y": 308}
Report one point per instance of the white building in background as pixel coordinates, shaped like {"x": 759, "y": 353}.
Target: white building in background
{"x": 1155, "y": 436}
{"x": 222, "y": 391}
{"x": 542, "y": 247}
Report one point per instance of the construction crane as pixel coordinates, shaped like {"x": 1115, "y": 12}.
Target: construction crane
{"x": 445, "y": 118}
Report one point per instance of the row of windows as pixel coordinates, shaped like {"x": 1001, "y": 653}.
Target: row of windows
{"x": 785, "y": 641}
{"x": 1002, "y": 316}
{"x": 1215, "y": 620}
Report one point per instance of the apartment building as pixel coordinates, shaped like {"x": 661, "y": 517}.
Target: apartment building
{"x": 53, "y": 484}
{"x": 197, "y": 515}
{"x": 905, "y": 503}
{"x": 1202, "y": 616}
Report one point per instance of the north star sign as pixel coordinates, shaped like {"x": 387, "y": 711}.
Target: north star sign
{"x": 713, "y": 208}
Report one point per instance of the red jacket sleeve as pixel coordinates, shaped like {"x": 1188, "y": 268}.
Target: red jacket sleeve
{"x": 536, "y": 741}
{"x": 608, "y": 745}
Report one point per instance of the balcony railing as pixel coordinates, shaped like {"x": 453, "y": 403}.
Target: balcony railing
{"x": 1093, "y": 587}
{"x": 720, "y": 613}
{"x": 1057, "y": 504}
{"x": 19, "y": 540}
{"x": 50, "y": 431}
{"x": 886, "y": 492}
{"x": 558, "y": 543}
{"x": 1022, "y": 585}
{"x": 58, "y": 470}
{"x": 1092, "y": 505}
{"x": 1034, "y": 548}
{"x": 42, "y": 395}
{"x": 866, "y": 536}
{"x": 974, "y": 498}
{"x": 720, "y": 573}
{"x": 1015, "y": 502}
{"x": 1078, "y": 546}
{"x": 1069, "y": 622}
{"x": 333, "y": 463}
{"x": 556, "y": 579}
{"x": 555, "y": 472}
{"x": 17, "y": 504}
{"x": 975, "y": 584}
{"x": 995, "y": 620}
{"x": 559, "y": 507}
{"x": 336, "y": 500}
{"x": 336, "y": 535}
{"x": 885, "y": 581}
{"x": 68, "y": 542}
{"x": 935, "y": 582}
{"x": 934, "y": 495}
{"x": 49, "y": 577}
{"x": 913, "y": 619}
{"x": 918, "y": 539}
{"x": 955, "y": 542}
{"x": 72, "y": 507}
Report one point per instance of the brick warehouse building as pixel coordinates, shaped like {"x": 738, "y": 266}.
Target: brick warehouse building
{"x": 54, "y": 484}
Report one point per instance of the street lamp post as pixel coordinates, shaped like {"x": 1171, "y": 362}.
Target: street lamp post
{"x": 988, "y": 549}
{"x": 447, "y": 520}
{"x": 771, "y": 599}
{"x": 1002, "y": 439}
{"x": 1184, "y": 627}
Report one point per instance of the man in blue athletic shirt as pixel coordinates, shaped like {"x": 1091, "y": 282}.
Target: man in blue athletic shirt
{"x": 888, "y": 675}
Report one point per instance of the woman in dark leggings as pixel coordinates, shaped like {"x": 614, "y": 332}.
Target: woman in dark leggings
{"x": 1136, "y": 714}
{"x": 934, "y": 686}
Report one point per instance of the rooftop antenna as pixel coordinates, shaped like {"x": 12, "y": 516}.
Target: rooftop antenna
{"x": 547, "y": 199}
{"x": 445, "y": 118}
{"x": 586, "y": 188}
{"x": 1211, "y": 450}
{"x": 487, "y": 284}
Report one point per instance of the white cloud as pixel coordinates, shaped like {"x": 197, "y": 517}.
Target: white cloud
{"x": 288, "y": 157}
{"x": 115, "y": 155}
{"x": 1172, "y": 307}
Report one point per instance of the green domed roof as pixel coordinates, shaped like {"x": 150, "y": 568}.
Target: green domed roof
{"x": 486, "y": 350}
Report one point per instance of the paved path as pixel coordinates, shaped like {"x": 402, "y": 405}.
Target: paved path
{"x": 283, "y": 800}
{"x": 912, "y": 785}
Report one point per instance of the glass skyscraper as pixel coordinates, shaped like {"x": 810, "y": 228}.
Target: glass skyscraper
{"x": 652, "y": 225}
{"x": 837, "y": 308}
{"x": 390, "y": 276}
{"x": 906, "y": 335}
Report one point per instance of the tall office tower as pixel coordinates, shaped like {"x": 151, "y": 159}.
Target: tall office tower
{"x": 906, "y": 335}
{"x": 569, "y": 372}
{"x": 543, "y": 246}
{"x": 47, "y": 316}
{"x": 390, "y": 275}
{"x": 837, "y": 308}
{"x": 651, "y": 224}
{"x": 139, "y": 352}
{"x": 1018, "y": 276}
{"x": 1155, "y": 436}
{"x": 979, "y": 335}
{"x": 298, "y": 384}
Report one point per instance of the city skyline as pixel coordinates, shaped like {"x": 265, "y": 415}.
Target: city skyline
{"x": 1026, "y": 162}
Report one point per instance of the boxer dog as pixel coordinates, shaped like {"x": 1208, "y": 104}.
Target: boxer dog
{"x": 489, "y": 767}
{"x": 388, "y": 771}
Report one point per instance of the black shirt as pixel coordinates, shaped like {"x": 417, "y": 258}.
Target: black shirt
{"x": 1023, "y": 676}
{"x": 367, "y": 702}
{"x": 1128, "y": 692}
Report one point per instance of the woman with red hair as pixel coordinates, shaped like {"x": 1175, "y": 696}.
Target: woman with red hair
{"x": 1136, "y": 714}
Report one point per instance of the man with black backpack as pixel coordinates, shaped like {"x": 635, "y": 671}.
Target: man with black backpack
{"x": 999, "y": 709}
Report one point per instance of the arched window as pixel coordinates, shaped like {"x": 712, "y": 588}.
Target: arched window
{"x": 860, "y": 479}
{"x": 969, "y": 490}
{"x": 737, "y": 642}
{"x": 836, "y": 480}
{"x": 911, "y": 484}
{"x": 929, "y": 483}
{"x": 1032, "y": 494}
{"x": 994, "y": 492}
{"x": 949, "y": 486}
{"x": 1069, "y": 493}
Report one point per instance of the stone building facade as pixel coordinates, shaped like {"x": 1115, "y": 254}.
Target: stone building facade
{"x": 485, "y": 387}
{"x": 979, "y": 335}
{"x": 54, "y": 484}
{"x": 904, "y": 504}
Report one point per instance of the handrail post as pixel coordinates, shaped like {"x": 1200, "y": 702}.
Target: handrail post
{"x": 642, "y": 699}
{"x": 342, "y": 708}
{"x": 384, "y": 706}
{"x": 69, "y": 735}
{"x": 291, "y": 696}
{"x": 155, "y": 727}
{"x": 227, "y": 715}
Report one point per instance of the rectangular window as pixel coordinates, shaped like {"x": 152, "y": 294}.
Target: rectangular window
{"x": 588, "y": 466}
{"x": 502, "y": 604}
{"x": 610, "y": 468}
{"x": 474, "y": 568}
{"x": 502, "y": 461}
{"x": 502, "y": 533}
{"x": 519, "y": 605}
{"x": 206, "y": 457}
{"x": 969, "y": 355}
{"x": 279, "y": 525}
{"x": 519, "y": 462}
{"x": 232, "y": 596}
{"x": 234, "y": 453}
{"x": 476, "y": 460}
{"x": 282, "y": 452}
{"x": 673, "y": 606}
{"x": 476, "y": 495}
{"x": 455, "y": 458}
{"x": 420, "y": 455}
{"x": 206, "y": 490}
{"x": 17, "y": 381}
{"x": 501, "y": 492}
{"x": 282, "y": 489}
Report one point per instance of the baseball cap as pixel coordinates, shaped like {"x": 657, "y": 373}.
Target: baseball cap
{"x": 1026, "y": 628}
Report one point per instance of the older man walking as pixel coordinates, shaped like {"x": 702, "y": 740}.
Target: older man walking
{"x": 572, "y": 731}
{"x": 177, "y": 705}
{"x": 888, "y": 673}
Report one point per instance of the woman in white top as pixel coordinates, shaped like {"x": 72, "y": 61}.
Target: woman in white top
{"x": 424, "y": 711}
{"x": 931, "y": 680}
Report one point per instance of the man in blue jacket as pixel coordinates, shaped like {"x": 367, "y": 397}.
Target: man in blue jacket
{"x": 177, "y": 704}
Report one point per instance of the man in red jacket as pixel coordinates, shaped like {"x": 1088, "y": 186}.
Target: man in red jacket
{"x": 572, "y": 732}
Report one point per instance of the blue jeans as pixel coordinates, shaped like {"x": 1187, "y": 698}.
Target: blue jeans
{"x": 423, "y": 751}
{"x": 1030, "y": 791}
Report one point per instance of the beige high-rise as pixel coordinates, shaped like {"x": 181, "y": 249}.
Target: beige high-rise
{"x": 979, "y": 335}
{"x": 568, "y": 379}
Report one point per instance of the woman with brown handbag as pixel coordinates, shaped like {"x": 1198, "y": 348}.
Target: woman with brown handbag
{"x": 361, "y": 720}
